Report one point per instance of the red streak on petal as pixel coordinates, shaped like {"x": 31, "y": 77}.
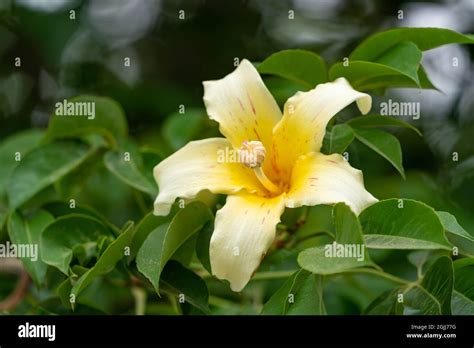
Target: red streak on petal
{"x": 256, "y": 133}
{"x": 241, "y": 105}
{"x": 251, "y": 104}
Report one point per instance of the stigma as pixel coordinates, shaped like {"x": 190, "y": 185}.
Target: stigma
{"x": 252, "y": 154}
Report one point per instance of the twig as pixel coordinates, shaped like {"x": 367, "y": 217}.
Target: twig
{"x": 14, "y": 299}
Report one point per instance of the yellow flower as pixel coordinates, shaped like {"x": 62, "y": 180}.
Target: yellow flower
{"x": 279, "y": 165}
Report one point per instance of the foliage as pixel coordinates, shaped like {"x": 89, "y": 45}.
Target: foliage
{"x": 91, "y": 264}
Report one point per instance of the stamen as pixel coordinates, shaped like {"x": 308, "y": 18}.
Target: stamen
{"x": 252, "y": 154}
{"x": 265, "y": 181}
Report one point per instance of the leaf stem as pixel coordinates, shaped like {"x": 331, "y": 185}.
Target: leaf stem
{"x": 273, "y": 275}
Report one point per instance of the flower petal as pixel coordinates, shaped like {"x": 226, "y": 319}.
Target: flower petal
{"x": 196, "y": 167}
{"x": 242, "y": 105}
{"x": 302, "y": 128}
{"x": 244, "y": 230}
{"x": 322, "y": 179}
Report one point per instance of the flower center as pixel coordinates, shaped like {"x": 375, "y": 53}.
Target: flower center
{"x": 252, "y": 154}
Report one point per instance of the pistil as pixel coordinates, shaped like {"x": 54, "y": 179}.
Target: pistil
{"x": 252, "y": 154}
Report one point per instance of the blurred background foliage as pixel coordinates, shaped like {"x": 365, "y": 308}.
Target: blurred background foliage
{"x": 172, "y": 52}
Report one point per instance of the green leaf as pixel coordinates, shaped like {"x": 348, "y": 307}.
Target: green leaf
{"x": 304, "y": 67}
{"x": 381, "y": 81}
{"x": 185, "y": 252}
{"x": 361, "y": 74}
{"x": 463, "y": 295}
{"x": 451, "y": 225}
{"x": 127, "y": 165}
{"x": 162, "y": 242}
{"x": 202, "y": 245}
{"x": 456, "y": 234}
{"x": 42, "y": 167}
{"x": 309, "y": 298}
{"x": 418, "y": 301}
{"x": 433, "y": 295}
{"x": 102, "y": 294}
{"x": 385, "y": 144}
{"x": 179, "y": 280}
{"x": 386, "y": 304}
{"x": 464, "y": 277}
{"x": 347, "y": 252}
{"x": 402, "y": 224}
{"x": 179, "y": 129}
{"x": 423, "y": 38}
{"x": 316, "y": 261}
{"x": 348, "y": 229}
{"x": 370, "y": 121}
{"x": 109, "y": 121}
{"x": 438, "y": 281}
{"x": 107, "y": 261}
{"x": 404, "y": 57}
{"x": 281, "y": 300}
{"x": 60, "y": 208}
{"x": 21, "y": 143}
{"x": 27, "y": 232}
{"x": 338, "y": 139}
{"x": 149, "y": 223}
{"x": 282, "y": 89}
{"x": 461, "y": 305}
{"x": 60, "y": 237}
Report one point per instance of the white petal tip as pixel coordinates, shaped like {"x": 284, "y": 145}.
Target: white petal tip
{"x": 364, "y": 103}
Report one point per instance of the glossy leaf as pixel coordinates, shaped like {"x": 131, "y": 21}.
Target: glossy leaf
{"x": 20, "y": 143}
{"x": 280, "y": 301}
{"x": 202, "y": 245}
{"x": 163, "y": 241}
{"x": 42, "y": 167}
{"x": 386, "y": 304}
{"x": 127, "y": 165}
{"x": 304, "y": 67}
{"x": 109, "y": 121}
{"x": 59, "y": 208}
{"x": 309, "y": 298}
{"x": 464, "y": 277}
{"x": 385, "y": 144}
{"x": 402, "y": 224}
{"x": 347, "y": 252}
{"x": 27, "y": 232}
{"x": 438, "y": 281}
{"x": 149, "y": 223}
{"x": 463, "y": 295}
{"x": 423, "y": 38}
{"x": 451, "y": 225}
{"x": 180, "y": 281}
{"x": 371, "y": 121}
{"x": 338, "y": 139}
{"x": 457, "y": 235}
{"x": 402, "y": 59}
{"x": 60, "y": 237}
{"x": 180, "y": 128}
{"x": 418, "y": 301}
{"x": 107, "y": 261}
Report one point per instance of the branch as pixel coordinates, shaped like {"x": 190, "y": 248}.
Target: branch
{"x": 11, "y": 265}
